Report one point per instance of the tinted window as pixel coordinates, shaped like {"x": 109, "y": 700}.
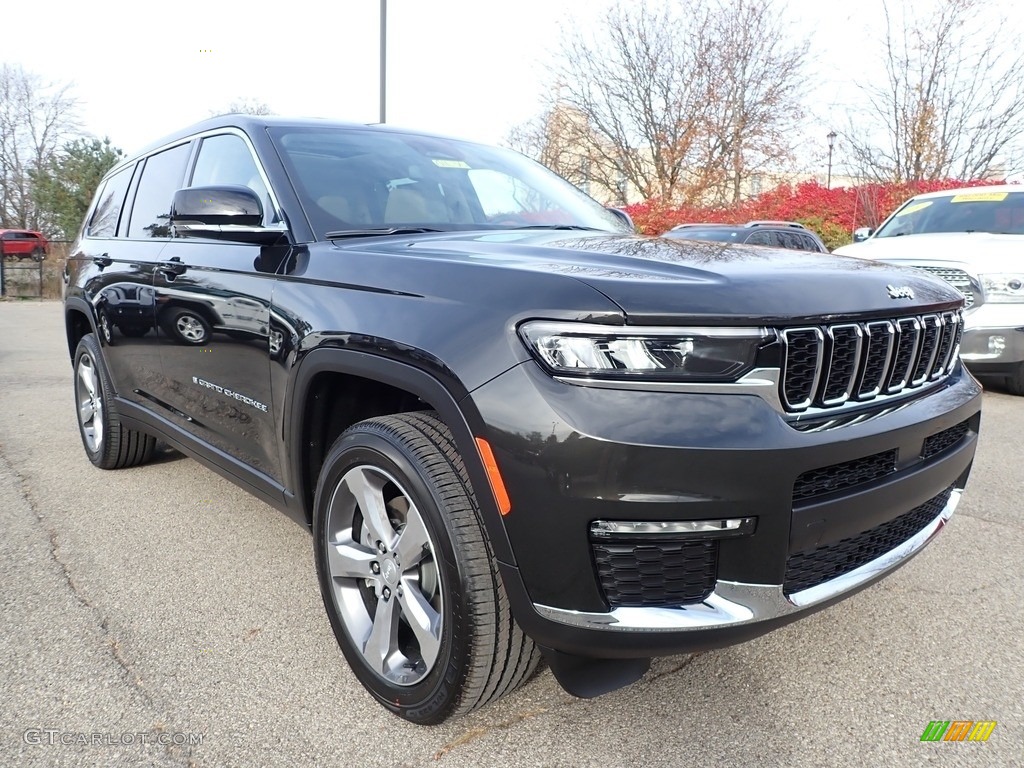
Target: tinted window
{"x": 108, "y": 205}
{"x": 765, "y": 237}
{"x": 373, "y": 179}
{"x": 808, "y": 243}
{"x": 792, "y": 240}
{"x": 719, "y": 234}
{"x": 161, "y": 178}
{"x": 226, "y": 160}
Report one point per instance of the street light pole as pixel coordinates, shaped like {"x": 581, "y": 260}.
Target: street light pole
{"x": 383, "y": 60}
{"x": 831, "y": 143}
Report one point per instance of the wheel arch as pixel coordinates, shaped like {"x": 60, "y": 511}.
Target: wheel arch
{"x": 320, "y": 405}
{"x": 78, "y": 321}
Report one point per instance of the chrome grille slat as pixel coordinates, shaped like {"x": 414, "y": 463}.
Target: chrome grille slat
{"x": 956, "y": 278}
{"x": 829, "y": 365}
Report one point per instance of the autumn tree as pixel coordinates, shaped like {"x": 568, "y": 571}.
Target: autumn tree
{"x": 678, "y": 101}
{"x": 36, "y": 119}
{"x": 951, "y": 104}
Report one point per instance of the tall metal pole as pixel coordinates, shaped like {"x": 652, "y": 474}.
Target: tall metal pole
{"x": 831, "y": 143}
{"x": 383, "y": 60}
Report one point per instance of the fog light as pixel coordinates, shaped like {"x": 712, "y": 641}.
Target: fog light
{"x": 672, "y": 529}
{"x": 996, "y": 345}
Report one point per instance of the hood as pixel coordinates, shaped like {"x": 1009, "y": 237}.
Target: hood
{"x": 973, "y": 252}
{"x": 662, "y": 281}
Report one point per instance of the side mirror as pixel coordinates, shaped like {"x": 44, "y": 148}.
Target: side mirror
{"x": 861, "y": 234}
{"x": 624, "y": 217}
{"x": 223, "y": 213}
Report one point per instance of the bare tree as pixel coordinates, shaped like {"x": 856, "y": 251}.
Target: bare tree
{"x": 757, "y": 81}
{"x": 559, "y": 139}
{"x": 952, "y": 102}
{"x": 678, "y": 102}
{"x": 246, "y": 106}
{"x": 36, "y": 119}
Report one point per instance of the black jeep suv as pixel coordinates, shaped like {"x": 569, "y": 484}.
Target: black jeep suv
{"x": 513, "y": 426}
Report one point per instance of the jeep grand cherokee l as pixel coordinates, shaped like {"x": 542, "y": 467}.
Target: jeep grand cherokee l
{"x": 513, "y": 426}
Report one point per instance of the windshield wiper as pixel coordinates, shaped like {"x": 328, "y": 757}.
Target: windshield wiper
{"x": 558, "y": 226}
{"x": 342, "y": 234}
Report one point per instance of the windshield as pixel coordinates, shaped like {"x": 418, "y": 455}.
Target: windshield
{"x": 996, "y": 212}
{"x": 361, "y": 180}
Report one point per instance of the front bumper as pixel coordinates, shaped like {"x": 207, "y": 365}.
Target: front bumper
{"x": 993, "y": 340}
{"x": 571, "y": 455}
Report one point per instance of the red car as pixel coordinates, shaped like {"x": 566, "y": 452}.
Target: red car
{"x": 23, "y": 244}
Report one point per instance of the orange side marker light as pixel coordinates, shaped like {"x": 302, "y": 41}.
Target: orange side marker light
{"x": 494, "y": 476}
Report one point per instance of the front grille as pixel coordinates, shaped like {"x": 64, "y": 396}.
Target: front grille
{"x": 826, "y": 366}
{"x": 958, "y": 279}
{"x": 811, "y": 568}
{"x": 848, "y": 474}
{"x": 944, "y": 440}
{"x": 663, "y": 573}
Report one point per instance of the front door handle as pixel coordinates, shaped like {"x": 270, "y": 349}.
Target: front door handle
{"x": 102, "y": 260}
{"x": 172, "y": 268}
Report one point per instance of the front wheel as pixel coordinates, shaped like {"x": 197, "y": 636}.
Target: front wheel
{"x": 408, "y": 578}
{"x": 108, "y": 443}
{"x": 1015, "y": 381}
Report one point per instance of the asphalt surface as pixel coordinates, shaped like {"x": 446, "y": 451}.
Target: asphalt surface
{"x": 144, "y": 609}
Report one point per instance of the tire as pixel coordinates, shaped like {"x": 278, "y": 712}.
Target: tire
{"x": 1015, "y": 381}
{"x": 466, "y": 649}
{"x": 108, "y": 443}
{"x": 187, "y": 326}
{"x": 105, "y": 327}
{"x": 38, "y": 254}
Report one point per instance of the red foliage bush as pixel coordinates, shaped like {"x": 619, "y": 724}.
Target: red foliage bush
{"x": 832, "y": 213}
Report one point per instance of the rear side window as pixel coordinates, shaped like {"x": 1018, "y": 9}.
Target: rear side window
{"x": 109, "y": 203}
{"x": 810, "y": 244}
{"x": 161, "y": 178}
{"x": 765, "y": 237}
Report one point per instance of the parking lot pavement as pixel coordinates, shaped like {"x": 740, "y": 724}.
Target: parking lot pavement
{"x": 172, "y": 619}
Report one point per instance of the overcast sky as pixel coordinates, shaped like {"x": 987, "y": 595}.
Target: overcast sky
{"x": 467, "y": 68}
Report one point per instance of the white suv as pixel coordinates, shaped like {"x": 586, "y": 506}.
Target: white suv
{"x": 974, "y": 239}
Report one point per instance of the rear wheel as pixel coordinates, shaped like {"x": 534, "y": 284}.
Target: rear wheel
{"x": 108, "y": 443}
{"x": 407, "y": 575}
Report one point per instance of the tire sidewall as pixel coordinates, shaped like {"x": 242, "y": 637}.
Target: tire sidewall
{"x": 89, "y": 346}
{"x": 430, "y": 699}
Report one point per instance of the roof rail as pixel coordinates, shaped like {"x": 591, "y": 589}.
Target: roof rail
{"x": 791, "y": 224}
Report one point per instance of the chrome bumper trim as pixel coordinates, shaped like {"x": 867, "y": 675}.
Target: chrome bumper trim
{"x": 734, "y": 603}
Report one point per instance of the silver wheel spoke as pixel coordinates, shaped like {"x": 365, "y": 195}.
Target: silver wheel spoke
{"x": 85, "y": 373}
{"x": 348, "y": 560}
{"x": 424, "y": 621}
{"x": 368, "y": 492}
{"x": 412, "y": 541}
{"x": 383, "y": 636}
{"x": 86, "y": 411}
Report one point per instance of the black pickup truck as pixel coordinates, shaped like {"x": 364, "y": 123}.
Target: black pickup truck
{"x": 514, "y": 427}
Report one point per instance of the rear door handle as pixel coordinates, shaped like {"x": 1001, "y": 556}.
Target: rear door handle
{"x": 102, "y": 260}
{"x": 172, "y": 268}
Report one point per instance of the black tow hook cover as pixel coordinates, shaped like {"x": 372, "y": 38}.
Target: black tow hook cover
{"x": 587, "y": 678}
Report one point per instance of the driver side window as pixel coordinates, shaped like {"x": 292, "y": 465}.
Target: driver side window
{"x": 226, "y": 160}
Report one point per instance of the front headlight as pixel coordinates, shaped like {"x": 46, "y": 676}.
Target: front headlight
{"x": 1003, "y": 288}
{"x": 671, "y": 354}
